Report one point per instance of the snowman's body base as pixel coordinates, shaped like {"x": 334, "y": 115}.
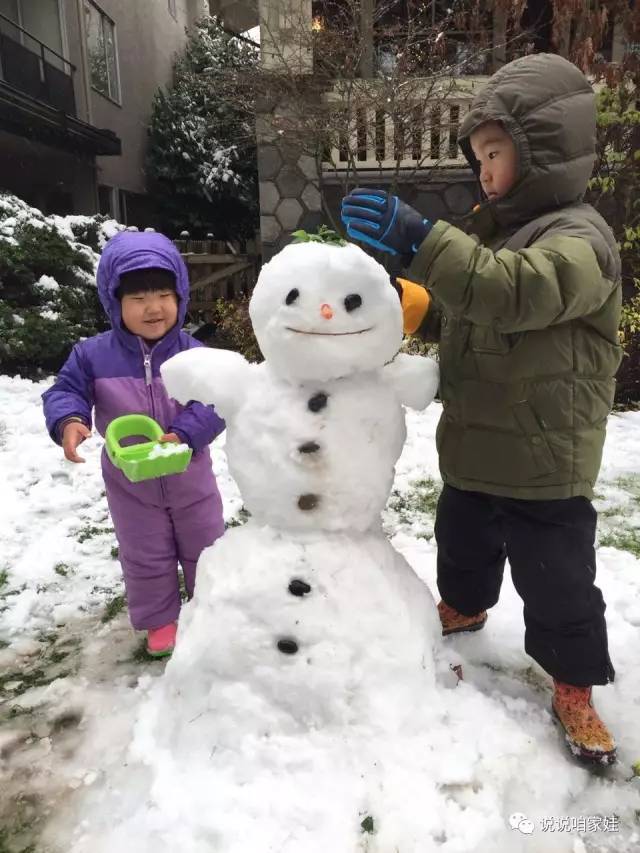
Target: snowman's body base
{"x": 259, "y": 727}
{"x": 323, "y": 657}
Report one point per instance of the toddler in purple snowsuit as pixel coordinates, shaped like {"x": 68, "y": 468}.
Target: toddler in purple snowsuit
{"x": 157, "y": 522}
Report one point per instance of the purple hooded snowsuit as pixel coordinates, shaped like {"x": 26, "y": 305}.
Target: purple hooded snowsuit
{"x": 170, "y": 519}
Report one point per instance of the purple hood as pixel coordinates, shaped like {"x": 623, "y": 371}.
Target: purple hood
{"x": 132, "y": 250}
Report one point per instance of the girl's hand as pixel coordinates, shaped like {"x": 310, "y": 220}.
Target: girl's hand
{"x": 170, "y": 436}
{"x": 74, "y": 434}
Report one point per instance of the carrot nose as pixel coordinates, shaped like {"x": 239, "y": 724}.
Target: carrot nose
{"x": 326, "y": 311}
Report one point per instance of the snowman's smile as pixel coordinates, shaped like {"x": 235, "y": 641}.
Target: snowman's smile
{"x": 328, "y": 334}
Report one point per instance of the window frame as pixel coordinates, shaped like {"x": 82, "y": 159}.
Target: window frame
{"x": 64, "y": 40}
{"x": 117, "y": 97}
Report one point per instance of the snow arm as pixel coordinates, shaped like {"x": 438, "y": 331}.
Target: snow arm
{"x": 414, "y": 379}
{"x": 212, "y": 376}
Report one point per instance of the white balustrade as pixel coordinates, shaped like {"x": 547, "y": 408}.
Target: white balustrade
{"x": 419, "y": 132}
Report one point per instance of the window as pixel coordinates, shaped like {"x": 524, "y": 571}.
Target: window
{"x": 101, "y": 46}
{"x": 39, "y": 18}
{"x": 172, "y": 9}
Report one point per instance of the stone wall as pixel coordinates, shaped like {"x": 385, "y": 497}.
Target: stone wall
{"x": 290, "y": 194}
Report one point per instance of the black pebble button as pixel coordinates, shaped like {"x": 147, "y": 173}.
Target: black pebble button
{"x": 318, "y": 401}
{"x": 287, "y": 646}
{"x": 307, "y": 502}
{"x": 309, "y": 447}
{"x": 353, "y": 301}
{"x": 299, "y": 587}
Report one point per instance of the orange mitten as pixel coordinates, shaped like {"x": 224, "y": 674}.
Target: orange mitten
{"x": 415, "y": 301}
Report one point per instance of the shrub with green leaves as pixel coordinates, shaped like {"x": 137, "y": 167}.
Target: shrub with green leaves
{"x": 48, "y": 297}
{"x": 615, "y": 191}
{"x": 234, "y": 329}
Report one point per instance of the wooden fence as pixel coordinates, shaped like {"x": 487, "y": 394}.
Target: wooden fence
{"x": 218, "y": 269}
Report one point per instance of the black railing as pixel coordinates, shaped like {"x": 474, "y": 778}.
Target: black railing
{"x": 31, "y": 66}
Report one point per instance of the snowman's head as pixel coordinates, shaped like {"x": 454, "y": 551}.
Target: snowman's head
{"x": 322, "y": 311}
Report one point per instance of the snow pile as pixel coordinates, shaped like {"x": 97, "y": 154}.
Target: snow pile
{"x": 169, "y": 448}
{"x": 486, "y": 750}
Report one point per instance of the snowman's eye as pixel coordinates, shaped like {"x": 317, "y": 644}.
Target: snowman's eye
{"x": 352, "y": 301}
{"x": 292, "y": 296}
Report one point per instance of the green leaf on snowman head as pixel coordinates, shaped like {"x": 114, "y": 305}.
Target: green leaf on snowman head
{"x": 324, "y": 235}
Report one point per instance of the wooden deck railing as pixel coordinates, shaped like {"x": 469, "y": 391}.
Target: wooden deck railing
{"x": 420, "y": 133}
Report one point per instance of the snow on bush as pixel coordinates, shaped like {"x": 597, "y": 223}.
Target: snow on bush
{"x": 48, "y": 296}
{"x": 201, "y": 159}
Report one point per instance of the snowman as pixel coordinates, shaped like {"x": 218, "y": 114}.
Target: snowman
{"x": 314, "y": 432}
{"x": 310, "y": 641}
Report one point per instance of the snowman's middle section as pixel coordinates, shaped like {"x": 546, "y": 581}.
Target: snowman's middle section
{"x": 318, "y": 454}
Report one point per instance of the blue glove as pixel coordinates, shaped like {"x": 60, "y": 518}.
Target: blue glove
{"x": 384, "y": 222}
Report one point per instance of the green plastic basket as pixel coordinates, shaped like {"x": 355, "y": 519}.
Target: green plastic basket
{"x": 134, "y": 461}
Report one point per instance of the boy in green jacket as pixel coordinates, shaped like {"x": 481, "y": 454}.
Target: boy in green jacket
{"x": 526, "y": 308}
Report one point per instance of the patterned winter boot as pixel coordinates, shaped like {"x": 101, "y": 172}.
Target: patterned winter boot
{"x": 587, "y": 736}
{"x": 161, "y": 641}
{"x": 456, "y": 623}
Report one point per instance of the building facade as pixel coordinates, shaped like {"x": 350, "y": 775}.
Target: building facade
{"x": 410, "y": 145}
{"x": 77, "y": 80}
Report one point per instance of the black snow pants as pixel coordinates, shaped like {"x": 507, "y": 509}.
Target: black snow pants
{"x": 550, "y": 547}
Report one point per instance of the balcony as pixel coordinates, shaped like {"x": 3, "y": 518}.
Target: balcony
{"x": 417, "y": 131}
{"x": 35, "y": 69}
{"x": 37, "y": 97}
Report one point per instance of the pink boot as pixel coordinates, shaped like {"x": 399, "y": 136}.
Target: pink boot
{"x": 161, "y": 641}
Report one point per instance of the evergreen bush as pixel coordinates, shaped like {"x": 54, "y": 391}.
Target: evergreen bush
{"x": 48, "y": 296}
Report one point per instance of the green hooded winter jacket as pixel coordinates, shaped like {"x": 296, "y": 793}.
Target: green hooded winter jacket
{"x": 527, "y": 305}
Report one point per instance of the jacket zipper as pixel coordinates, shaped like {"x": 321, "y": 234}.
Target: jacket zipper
{"x": 148, "y": 378}
{"x": 147, "y": 368}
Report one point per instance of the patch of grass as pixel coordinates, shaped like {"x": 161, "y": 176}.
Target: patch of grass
{"x": 106, "y": 590}
{"x": 238, "y": 520}
{"x": 15, "y": 591}
{"x": 7, "y": 844}
{"x": 48, "y": 638}
{"x": 4, "y": 577}
{"x": 18, "y": 711}
{"x": 629, "y": 540}
{"x": 62, "y": 569}
{"x": 28, "y": 679}
{"x": 613, "y": 511}
{"x": 421, "y": 499}
{"x": 183, "y": 589}
{"x": 115, "y": 552}
{"x": 90, "y": 531}
{"x": 22, "y": 821}
{"x": 141, "y": 655}
{"x": 630, "y": 484}
{"x": 114, "y": 606}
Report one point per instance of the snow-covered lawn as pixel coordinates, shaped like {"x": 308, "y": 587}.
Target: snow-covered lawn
{"x": 73, "y": 675}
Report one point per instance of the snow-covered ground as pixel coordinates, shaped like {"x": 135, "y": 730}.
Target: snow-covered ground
{"x": 73, "y": 676}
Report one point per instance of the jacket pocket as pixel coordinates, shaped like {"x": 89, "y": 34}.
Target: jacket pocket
{"x": 533, "y": 432}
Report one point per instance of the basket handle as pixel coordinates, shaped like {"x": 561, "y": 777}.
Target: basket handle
{"x": 128, "y": 425}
